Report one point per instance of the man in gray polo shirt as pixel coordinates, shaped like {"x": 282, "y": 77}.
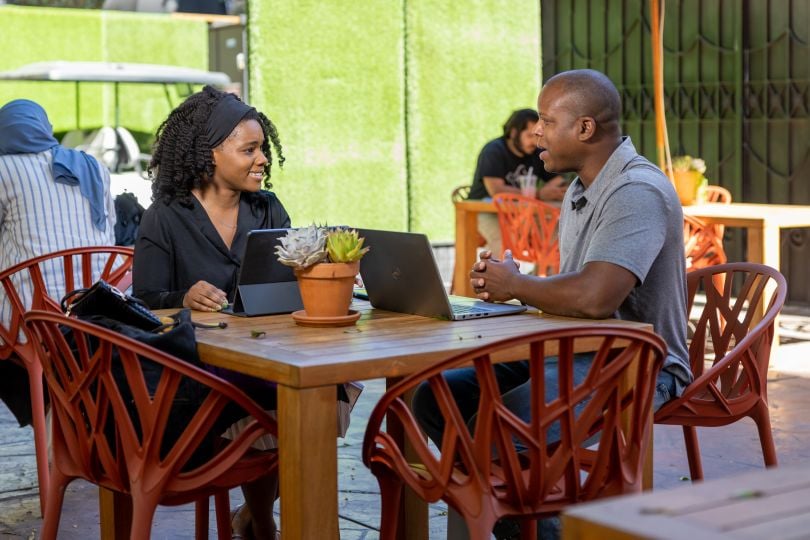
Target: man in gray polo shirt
{"x": 621, "y": 247}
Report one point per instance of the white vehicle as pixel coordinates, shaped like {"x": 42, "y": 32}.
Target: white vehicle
{"x": 114, "y": 146}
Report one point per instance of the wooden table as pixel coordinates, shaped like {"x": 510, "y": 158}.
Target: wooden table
{"x": 467, "y": 242}
{"x": 762, "y": 221}
{"x": 307, "y": 363}
{"x": 770, "y": 503}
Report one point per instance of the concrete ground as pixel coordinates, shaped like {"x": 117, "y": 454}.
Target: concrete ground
{"x": 726, "y": 451}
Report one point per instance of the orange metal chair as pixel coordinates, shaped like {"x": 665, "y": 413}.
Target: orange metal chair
{"x": 735, "y": 385}
{"x": 529, "y": 229}
{"x": 78, "y": 267}
{"x": 481, "y": 474}
{"x": 96, "y": 437}
{"x": 703, "y": 247}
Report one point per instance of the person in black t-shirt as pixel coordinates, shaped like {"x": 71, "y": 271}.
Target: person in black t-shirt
{"x": 501, "y": 164}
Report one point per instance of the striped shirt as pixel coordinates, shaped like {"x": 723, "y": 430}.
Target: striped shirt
{"x": 39, "y": 216}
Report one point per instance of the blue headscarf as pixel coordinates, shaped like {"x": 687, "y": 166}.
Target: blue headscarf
{"x": 25, "y": 129}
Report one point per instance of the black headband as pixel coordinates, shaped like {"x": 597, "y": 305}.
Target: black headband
{"x": 226, "y": 115}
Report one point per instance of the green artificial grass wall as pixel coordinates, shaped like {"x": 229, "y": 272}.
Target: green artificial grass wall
{"x": 329, "y": 74}
{"x": 382, "y": 106}
{"x": 470, "y": 64}
{"x": 33, "y": 34}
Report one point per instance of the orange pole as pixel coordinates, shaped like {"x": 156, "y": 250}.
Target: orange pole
{"x": 658, "y": 80}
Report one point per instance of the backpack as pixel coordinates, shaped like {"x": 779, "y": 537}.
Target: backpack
{"x": 128, "y": 212}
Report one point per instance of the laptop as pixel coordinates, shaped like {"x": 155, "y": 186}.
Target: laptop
{"x": 400, "y": 274}
{"x": 264, "y": 286}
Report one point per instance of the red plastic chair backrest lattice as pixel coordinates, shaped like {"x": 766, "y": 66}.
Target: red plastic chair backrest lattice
{"x": 717, "y": 194}
{"x": 481, "y": 473}
{"x": 736, "y": 343}
{"x": 111, "y": 429}
{"x": 702, "y": 245}
{"x": 529, "y": 229}
{"x": 26, "y": 287}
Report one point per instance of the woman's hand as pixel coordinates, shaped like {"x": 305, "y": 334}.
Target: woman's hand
{"x": 203, "y": 296}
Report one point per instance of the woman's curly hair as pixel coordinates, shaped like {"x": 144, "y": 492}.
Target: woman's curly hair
{"x": 182, "y": 158}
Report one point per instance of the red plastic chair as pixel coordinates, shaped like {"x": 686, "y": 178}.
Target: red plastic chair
{"x": 482, "y": 475}
{"x": 77, "y": 268}
{"x": 132, "y": 458}
{"x": 735, "y": 386}
{"x": 529, "y": 229}
{"x": 717, "y": 194}
{"x": 703, "y": 247}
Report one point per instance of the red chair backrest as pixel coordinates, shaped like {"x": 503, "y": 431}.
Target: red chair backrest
{"x": 702, "y": 245}
{"x": 718, "y": 194}
{"x": 96, "y": 436}
{"x": 730, "y": 325}
{"x": 529, "y": 229}
{"x": 29, "y": 284}
{"x": 547, "y": 476}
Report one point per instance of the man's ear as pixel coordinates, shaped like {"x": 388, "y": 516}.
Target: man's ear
{"x": 587, "y": 127}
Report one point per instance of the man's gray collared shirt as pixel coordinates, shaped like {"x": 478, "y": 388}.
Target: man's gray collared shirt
{"x": 630, "y": 216}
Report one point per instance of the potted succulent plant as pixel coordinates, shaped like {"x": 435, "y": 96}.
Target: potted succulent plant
{"x": 688, "y": 177}
{"x": 325, "y": 261}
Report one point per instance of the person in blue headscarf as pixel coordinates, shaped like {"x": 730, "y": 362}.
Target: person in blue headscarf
{"x": 25, "y": 129}
{"x": 51, "y": 198}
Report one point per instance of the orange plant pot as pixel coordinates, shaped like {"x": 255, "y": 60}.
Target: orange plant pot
{"x": 686, "y": 185}
{"x": 326, "y": 288}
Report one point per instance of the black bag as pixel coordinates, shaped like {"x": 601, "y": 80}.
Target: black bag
{"x": 104, "y": 299}
{"x": 178, "y": 339}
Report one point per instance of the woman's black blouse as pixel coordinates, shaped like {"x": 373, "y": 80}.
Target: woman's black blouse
{"x": 179, "y": 246}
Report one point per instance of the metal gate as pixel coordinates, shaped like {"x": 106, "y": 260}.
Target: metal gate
{"x": 737, "y": 93}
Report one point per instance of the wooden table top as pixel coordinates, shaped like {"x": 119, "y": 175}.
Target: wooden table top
{"x": 747, "y": 214}
{"x": 381, "y": 344}
{"x": 769, "y": 503}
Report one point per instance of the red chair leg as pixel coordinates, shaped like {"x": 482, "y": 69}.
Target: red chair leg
{"x": 201, "y": 519}
{"x": 693, "y": 453}
{"x": 40, "y": 430}
{"x": 222, "y": 505}
{"x": 53, "y": 505}
{"x": 143, "y": 512}
{"x": 762, "y": 418}
{"x": 391, "y": 495}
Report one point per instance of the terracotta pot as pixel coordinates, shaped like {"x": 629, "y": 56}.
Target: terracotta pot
{"x": 326, "y": 288}
{"x": 686, "y": 185}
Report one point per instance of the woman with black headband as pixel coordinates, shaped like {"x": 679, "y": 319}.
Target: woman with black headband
{"x": 210, "y": 163}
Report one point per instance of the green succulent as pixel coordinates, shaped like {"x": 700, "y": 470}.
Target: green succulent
{"x": 344, "y": 245}
{"x": 301, "y": 248}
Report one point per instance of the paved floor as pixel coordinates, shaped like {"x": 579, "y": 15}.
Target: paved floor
{"x": 725, "y": 451}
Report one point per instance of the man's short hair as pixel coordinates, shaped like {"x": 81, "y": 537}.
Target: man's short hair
{"x": 590, "y": 93}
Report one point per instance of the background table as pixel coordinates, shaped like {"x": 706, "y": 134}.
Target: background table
{"x": 307, "y": 363}
{"x": 771, "y": 503}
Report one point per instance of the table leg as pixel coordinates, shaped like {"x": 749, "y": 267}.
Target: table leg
{"x": 308, "y": 462}
{"x": 115, "y": 514}
{"x": 466, "y": 243}
{"x": 764, "y": 248}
